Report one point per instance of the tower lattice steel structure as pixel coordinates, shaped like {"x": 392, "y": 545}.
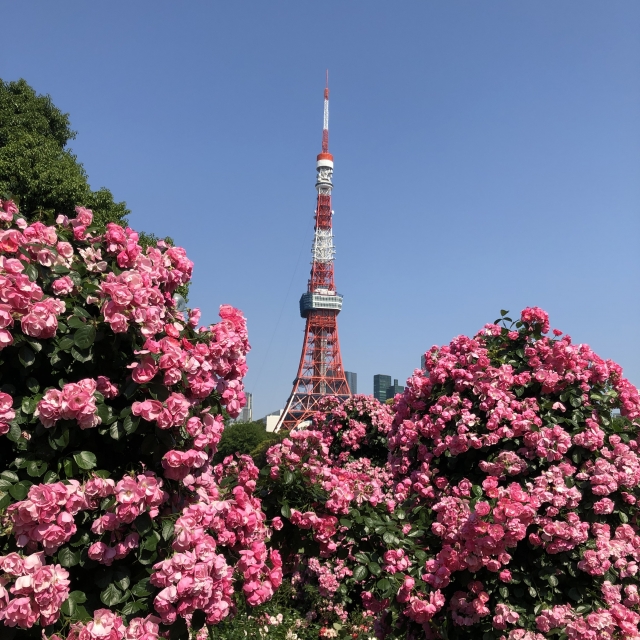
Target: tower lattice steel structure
{"x": 320, "y": 372}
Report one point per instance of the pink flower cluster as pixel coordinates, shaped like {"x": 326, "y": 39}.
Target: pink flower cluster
{"x": 21, "y": 299}
{"x": 347, "y": 484}
{"x": 353, "y": 424}
{"x": 465, "y": 401}
{"x": 76, "y": 401}
{"x": 38, "y": 590}
{"x": 172, "y": 413}
{"x": 617, "y": 621}
{"x": 196, "y": 577}
{"x": 219, "y": 363}
{"x": 46, "y": 517}
{"x": 7, "y": 414}
{"x": 107, "y": 625}
{"x": 220, "y": 536}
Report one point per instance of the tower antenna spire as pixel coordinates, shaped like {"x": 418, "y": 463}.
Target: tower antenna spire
{"x": 325, "y": 126}
{"x": 320, "y": 371}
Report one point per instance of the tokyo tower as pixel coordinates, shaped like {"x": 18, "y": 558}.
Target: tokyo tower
{"x": 320, "y": 372}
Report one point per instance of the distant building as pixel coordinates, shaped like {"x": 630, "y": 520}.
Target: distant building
{"x": 352, "y": 381}
{"x": 270, "y": 421}
{"x": 423, "y": 361}
{"x": 246, "y": 414}
{"x": 394, "y": 388}
{"x": 381, "y": 383}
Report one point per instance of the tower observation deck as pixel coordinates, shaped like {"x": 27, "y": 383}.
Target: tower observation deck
{"x": 320, "y": 372}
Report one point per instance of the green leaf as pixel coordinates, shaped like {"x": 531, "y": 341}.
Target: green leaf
{"x": 114, "y": 431}
{"x": 76, "y": 323}
{"x": 553, "y": 581}
{"x": 151, "y": 541}
{"x": 26, "y": 356}
{"x": 624, "y": 518}
{"x": 60, "y": 269}
{"x": 504, "y": 592}
{"x": 360, "y": 573}
{"x": 383, "y": 584}
{"x": 5, "y": 500}
{"x": 132, "y": 607}
{"x": 68, "y": 466}
{"x": 388, "y": 537}
{"x": 31, "y": 272}
{"x": 32, "y": 385}
{"x": 35, "y": 468}
{"x": 285, "y": 510}
{"x": 288, "y": 477}
{"x": 345, "y": 522}
{"x": 78, "y": 597}
{"x": 111, "y": 595}
{"x": 67, "y": 557}
{"x": 85, "y": 459}
{"x": 10, "y": 476}
{"x": 85, "y": 336}
{"x": 167, "y": 529}
{"x": 80, "y": 354}
{"x": 375, "y": 568}
{"x": 50, "y": 476}
{"x": 65, "y": 343}
{"x": 69, "y": 606}
{"x": 142, "y": 588}
{"x": 121, "y": 578}
{"x": 105, "y": 414}
{"x": 19, "y": 491}
{"x": 130, "y": 424}
{"x": 29, "y": 405}
{"x": 79, "y": 311}
{"x": 143, "y": 523}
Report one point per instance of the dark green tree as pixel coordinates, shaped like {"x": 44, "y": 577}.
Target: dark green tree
{"x": 243, "y": 437}
{"x": 37, "y": 169}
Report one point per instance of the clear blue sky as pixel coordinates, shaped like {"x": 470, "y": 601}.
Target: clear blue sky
{"x": 487, "y": 157}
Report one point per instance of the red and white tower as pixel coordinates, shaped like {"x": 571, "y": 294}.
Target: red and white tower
{"x": 320, "y": 372}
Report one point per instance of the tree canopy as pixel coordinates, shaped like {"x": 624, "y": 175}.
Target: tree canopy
{"x": 37, "y": 169}
{"x": 244, "y": 438}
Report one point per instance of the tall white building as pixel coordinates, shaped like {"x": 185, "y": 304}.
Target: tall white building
{"x": 246, "y": 415}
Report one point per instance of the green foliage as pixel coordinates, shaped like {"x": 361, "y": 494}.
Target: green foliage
{"x": 37, "y": 170}
{"x": 245, "y": 438}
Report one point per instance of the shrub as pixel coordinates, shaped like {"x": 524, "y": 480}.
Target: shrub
{"x": 332, "y": 511}
{"x": 506, "y": 508}
{"x": 114, "y": 520}
{"x": 242, "y": 437}
{"x": 508, "y": 440}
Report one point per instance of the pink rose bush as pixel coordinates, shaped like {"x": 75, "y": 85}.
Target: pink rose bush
{"x": 513, "y": 441}
{"x": 498, "y": 503}
{"x": 115, "y": 522}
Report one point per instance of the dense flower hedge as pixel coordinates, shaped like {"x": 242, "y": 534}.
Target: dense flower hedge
{"x": 114, "y": 522}
{"x": 506, "y": 507}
